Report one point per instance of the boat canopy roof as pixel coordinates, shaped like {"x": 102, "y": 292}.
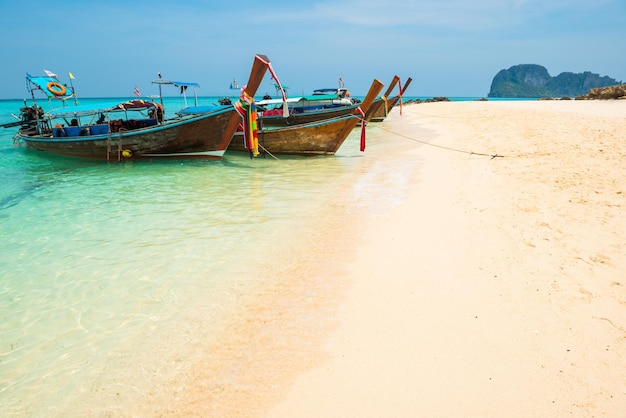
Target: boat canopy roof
{"x": 86, "y": 110}
{"x": 44, "y": 83}
{"x": 183, "y": 85}
{"x": 176, "y": 83}
{"x": 341, "y": 91}
{"x": 277, "y": 101}
{"x": 325, "y": 91}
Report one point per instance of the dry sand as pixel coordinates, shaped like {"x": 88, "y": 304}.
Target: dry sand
{"x": 495, "y": 287}
{"x": 498, "y": 288}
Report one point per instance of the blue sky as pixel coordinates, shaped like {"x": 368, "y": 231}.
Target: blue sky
{"x": 449, "y": 47}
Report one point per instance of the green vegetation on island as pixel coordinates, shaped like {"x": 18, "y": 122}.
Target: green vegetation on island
{"x": 534, "y": 81}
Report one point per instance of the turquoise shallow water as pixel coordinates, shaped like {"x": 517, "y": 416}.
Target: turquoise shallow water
{"x": 102, "y": 266}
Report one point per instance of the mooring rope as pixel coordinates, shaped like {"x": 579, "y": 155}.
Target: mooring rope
{"x": 267, "y": 152}
{"x": 378, "y": 125}
{"x": 492, "y": 156}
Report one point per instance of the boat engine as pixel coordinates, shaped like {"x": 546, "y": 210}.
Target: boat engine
{"x": 30, "y": 114}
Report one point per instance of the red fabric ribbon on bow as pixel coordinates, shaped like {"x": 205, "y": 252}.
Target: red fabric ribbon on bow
{"x": 363, "y": 123}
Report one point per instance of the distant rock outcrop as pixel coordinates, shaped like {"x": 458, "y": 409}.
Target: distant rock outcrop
{"x": 605, "y": 93}
{"x": 431, "y": 100}
{"x": 534, "y": 81}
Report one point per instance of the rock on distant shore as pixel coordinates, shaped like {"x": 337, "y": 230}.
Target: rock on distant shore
{"x": 430, "y": 100}
{"x": 534, "y": 81}
{"x": 605, "y": 93}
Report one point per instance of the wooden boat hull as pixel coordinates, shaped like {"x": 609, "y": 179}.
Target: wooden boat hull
{"x": 317, "y": 138}
{"x": 395, "y": 100}
{"x": 306, "y": 117}
{"x": 379, "y": 111}
{"x": 379, "y": 104}
{"x": 382, "y": 111}
{"x": 202, "y": 136}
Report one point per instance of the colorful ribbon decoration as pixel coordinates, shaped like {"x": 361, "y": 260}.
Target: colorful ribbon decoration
{"x": 247, "y": 110}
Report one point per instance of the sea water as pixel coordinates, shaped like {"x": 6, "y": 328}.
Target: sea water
{"x": 108, "y": 271}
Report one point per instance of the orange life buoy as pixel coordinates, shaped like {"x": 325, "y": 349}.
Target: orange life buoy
{"x": 55, "y": 88}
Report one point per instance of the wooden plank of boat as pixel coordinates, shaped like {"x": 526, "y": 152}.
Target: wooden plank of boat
{"x": 316, "y": 138}
{"x": 198, "y": 136}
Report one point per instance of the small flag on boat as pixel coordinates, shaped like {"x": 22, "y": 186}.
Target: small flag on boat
{"x": 137, "y": 92}
{"x": 71, "y": 76}
{"x": 340, "y": 82}
{"x": 51, "y": 74}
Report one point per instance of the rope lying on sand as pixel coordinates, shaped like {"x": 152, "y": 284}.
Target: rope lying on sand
{"x": 492, "y": 156}
{"x": 377, "y": 125}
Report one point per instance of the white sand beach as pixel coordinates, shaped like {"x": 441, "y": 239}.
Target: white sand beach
{"x": 498, "y": 287}
{"x": 495, "y": 288}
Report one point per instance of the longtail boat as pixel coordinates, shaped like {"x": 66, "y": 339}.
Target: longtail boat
{"x": 298, "y": 118}
{"x": 385, "y": 104}
{"x": 322, "y": 104}
{"x": 398, "y": 98}
{"x": 379, "y": 104}
{"x": 315, "y": 138}
{"x": 130, "y": 130}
